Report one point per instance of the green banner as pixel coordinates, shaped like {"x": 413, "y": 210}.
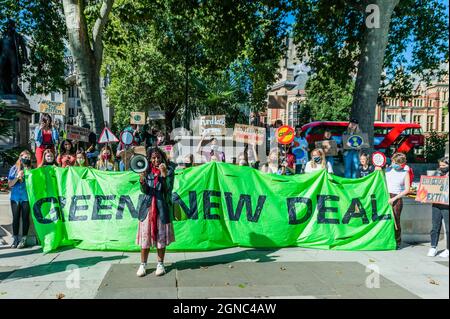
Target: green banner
{"x": 216, "y": 205}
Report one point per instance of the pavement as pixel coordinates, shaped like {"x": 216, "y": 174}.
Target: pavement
{"x": 229, "y": 273}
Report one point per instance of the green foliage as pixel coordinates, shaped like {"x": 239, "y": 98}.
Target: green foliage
{"x": 435, "y": 146}
{"x": 327, "y": 99}
{"x": 330, "y": 34}
{"x": 231, "y": 49}
{"x": 42, "y": 23}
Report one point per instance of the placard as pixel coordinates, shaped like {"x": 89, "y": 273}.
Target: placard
{"x": 212, "y": 125}
{"x": 355, "y": 141}
{"x": 433, "y": 189}
{"x": 50, "y": 107}
{"x": 285, "y": 134}
{"x": 328, "y": 146}
{"x": 156, "y": 115}
{"x": 249, "y": 134}
{"x": 137, "y": 118}
{"x": 77, "y": 133}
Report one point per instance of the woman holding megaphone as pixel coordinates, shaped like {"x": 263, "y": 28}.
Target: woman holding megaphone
{"x": 155, "y": 225}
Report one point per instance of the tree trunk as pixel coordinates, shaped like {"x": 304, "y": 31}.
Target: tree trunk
{"x": 87, "y": 53}
{"x": 370, "y": 67}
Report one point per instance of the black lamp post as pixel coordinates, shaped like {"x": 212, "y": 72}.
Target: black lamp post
{"x": 187, "y": 113}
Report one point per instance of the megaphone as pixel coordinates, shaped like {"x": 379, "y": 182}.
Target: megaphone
{"x": 138, "y": 163}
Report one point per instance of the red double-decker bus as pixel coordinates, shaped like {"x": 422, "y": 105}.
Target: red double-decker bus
{"x": 388, "y": 137}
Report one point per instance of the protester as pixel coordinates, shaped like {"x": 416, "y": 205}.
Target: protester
{"x": 66, "y": 155}
{"x": 20, "y": 206}
{"x": 300, "y": 150}
{"x": 149, "y": 136}
{"x": 185, "y": 162}
{"x": 91, "y": 147}
{"x": 273, "y": 164}
{"x": 46, "y": 137}
{"x": 106, "y": 160}
{"x": 318, "y": 162}
{"x": 398, "y": 184}
{"x": 81, "y": 159}
{"x": 214, "y": 155}
{"x": 351, "y": 157}
{"x": 243, "y": 158}
{"x": 365, "y": 168}
{"x": 288, "y": 163}
{"x": 328, "y": 137}
{"x": 439, "y": 213}
{"x": 155, "y": 226}
{"x": 49, "y": 158}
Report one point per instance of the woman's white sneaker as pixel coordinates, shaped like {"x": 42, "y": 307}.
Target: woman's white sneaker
{"x": 444, "y": 254}
{"x": 141, "y": 271}
{"x": 160, "y": 269}
{"x": 432, "y": 252}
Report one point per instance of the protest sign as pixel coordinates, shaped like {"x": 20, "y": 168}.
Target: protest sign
{"x": 137, "y": 118}
{"x": 433, "y": 189}
{"x": 212, "y": 125}
{"x": 285, "y": 134}
{"x": 355, "y": 141}
{"x": 50, "y": 107}
{"x": 77, "y": 133}
{"x": 249, "y": 134}
{"x": 328, "y": 146}
{"x": 156, "y": 115}
{"x": 233, "y": 206}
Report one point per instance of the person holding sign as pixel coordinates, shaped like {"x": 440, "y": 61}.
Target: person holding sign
{"x": 46, "y": 137}
{"x": 398, "y": 184}
{"x": 439, "y": 213}
{"x": 81, "y": 158}
{"x": 318, "y": 162}
{"x": 19, "y": 199}
{"x": 328, "y": 137}
{"x": 300, "y": 150}
{"x": 214, "y": 155}
{"x": 155, "y": 225}
{"x": 351, "y": 156}
{"x": 66, "y": 155}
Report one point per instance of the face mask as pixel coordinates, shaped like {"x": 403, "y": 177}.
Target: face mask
{"x": 317, "y": 159}
{"x": 443, "y": 170}
{"x": 25, "y": 161}
{"x": 80, "y": 161}
{"x": 106, "y": 156}
{"x": 396, "y": 166}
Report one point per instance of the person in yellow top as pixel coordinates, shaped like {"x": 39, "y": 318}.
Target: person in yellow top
{"x": 106, "y": 160}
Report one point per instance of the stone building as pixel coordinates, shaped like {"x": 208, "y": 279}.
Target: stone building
{"x": 429, "y": 107}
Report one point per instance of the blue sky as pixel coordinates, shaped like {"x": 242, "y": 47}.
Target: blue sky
{"x": 290, "y": 20}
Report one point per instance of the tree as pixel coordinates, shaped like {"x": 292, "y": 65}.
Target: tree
{"x": 85, "y": 23}
{"x": 222, "y": 45}
{"x": 39, "y": 21}
{"x": 327, "y": 100}
{"x": 363, "y": 39}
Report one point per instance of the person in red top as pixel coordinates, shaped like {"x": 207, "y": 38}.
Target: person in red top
{"x": 66, "y": 155}
{"x": 46, "y": 137}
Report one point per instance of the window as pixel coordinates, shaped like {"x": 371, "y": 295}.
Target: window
{"x": 430, "y": 103}
{"x": 443, "y": 123}
{"x": 402, "y": 118}
{"x": 382, "y": 130}
{"x": 389, "y": 118}
{"x": 52, "y": 96}
{"x": 430, "y": 120}
{"x": 71, "y": 111}
{"x": 416, "y": 119}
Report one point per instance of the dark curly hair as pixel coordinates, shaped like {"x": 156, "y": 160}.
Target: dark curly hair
{"x": 163, "y": 155}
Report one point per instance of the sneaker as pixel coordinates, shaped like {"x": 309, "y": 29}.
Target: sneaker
{"x": 160, "y": 269}
{"x": 15, "y": 242}
{"x": 141, "y": 271}
{"x": 444, "y": 254}
{"x": 23, "y": 243}
{"x": 432, "y": 252}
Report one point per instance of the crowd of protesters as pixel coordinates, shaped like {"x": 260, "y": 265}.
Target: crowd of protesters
{"x": 296, "y": 158}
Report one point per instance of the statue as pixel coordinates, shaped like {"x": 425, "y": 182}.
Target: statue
{"x": 13, "y": 56}
{"x": 80, "y": 119}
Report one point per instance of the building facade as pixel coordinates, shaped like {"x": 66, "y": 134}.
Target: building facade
{"x": 429, "y": 107}
{"x": 286, "y": 96}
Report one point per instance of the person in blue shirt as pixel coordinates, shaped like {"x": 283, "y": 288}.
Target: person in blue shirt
{"x": 19, "y": 199}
